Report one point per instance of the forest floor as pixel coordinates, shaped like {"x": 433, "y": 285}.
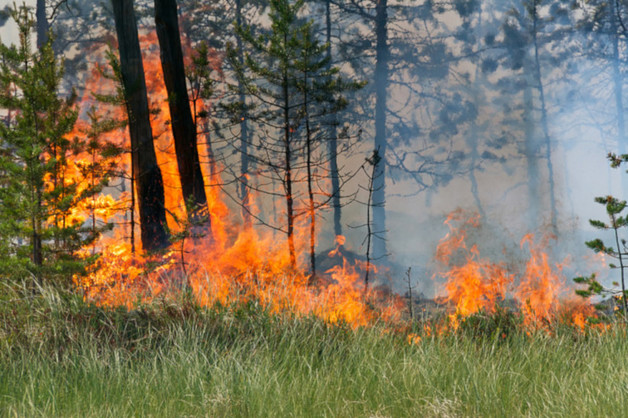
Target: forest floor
{"x": 62, "y": 357}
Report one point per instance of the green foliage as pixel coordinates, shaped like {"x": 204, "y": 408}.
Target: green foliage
{"x": 614, "y": 209}
{"x": 496, "y": 326}
{"x": 62, "y": 357}
{"x": 40, "y": 188}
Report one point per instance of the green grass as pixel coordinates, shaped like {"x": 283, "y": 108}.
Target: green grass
{"x": 60, "y": 357}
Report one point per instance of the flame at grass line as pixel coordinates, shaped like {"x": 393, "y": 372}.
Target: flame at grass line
{"x": 235, "y": 264}
{"x": 474, "y": 284}
{"x": 238, "y": 263}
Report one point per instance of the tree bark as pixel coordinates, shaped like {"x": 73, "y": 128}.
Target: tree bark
{"x": 244, "y": 130}
{"x": 381, "y": 141}
{"x": 148, "y": 182}
{"x": 42, "y": 23}
{"x": 333, "y": 139}
{"x": 182, "y": 123}
{"x": 288, "y": 173}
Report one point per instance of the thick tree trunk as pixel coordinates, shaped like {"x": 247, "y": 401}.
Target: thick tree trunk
{"x": 183, "y": 127}
{"x": 381, "y": 141}
{"x": 148, "y": 181}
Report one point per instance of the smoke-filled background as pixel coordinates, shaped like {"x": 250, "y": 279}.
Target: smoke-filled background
{"x": 504, "y": 108}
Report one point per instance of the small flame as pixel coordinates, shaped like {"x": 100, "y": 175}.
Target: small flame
{"x": 474, "y": 284}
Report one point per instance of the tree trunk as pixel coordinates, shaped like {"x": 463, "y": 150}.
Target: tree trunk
{"x": 475, "y": 132}
{"x": 381, "y": 141}
{"x": 618, "y": 89}
{"x": 544, "y": 126}
{"x": 531, "y": 154}
{"x": 244, "y": 130}
{"x": 183, "y": 127}
{"x": 333, "y": 138}
{"x": 310, "y": 180}
{"x": 42, "y": 23}
{"x": 288, "y": 167}
{"x": 148, "y": 182}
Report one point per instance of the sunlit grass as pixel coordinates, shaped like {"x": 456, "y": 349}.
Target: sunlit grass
{"x": 59, "y": 357}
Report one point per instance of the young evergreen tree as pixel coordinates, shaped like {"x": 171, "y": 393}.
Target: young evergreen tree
{"x": 39, "y": 193}
{"x": 290, "y": 90}
{"x": 320, "y": 90}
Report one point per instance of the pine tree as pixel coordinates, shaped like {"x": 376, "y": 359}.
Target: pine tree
{"x": 286, "y": 77}
{"x": 39, "y": 192}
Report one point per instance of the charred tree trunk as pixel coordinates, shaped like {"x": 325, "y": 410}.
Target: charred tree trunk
{"x": 183, "y": 127}
{"x": 333, "y": 138}
{"x": 148, "y": 182}
{"x": 381, "y": 141}
{"x": 374, "y": 161}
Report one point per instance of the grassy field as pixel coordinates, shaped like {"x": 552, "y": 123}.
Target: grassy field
{"x": 61, "y": 357}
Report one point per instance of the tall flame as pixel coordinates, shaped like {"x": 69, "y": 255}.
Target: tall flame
{"x": 236, "y": 263}
{"x": 475, "y": 284}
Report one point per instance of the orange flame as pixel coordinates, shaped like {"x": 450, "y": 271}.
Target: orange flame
{"x": 477, "y": 285}
{"x": 474, "y": 284}
{"x": 236, "y": 263}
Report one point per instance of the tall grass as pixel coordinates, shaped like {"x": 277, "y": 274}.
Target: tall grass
{"x": 60, "y": 357}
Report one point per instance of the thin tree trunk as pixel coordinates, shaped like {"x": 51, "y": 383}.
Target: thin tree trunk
{"x": 544, "y": 126}
{"x": 532, "y": 159}
{"x": 148, "y": 181}
{"x": 381, "y": 141}
{"x": 288, "y": 173}
{"x": 310, "y": 192}
{"x": 42, "y": 23}
{"x": 618, "y": 89}
{"x": 244, "y": 130}
{"x": 183, "y": 127}
{"x": 375, "y": 160}
{"x": 333, "y": 138}
{"x": 474, "y": 136}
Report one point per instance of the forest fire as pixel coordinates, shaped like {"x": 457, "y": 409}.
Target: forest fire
{"x": 237, "y": 262}
{"x": 474, "y": 284}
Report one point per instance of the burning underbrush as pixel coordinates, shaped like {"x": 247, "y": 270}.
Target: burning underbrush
{"x": 480, "y": 295}
{"x": 531, "y": 294}
{"x": 234, "y": 262}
